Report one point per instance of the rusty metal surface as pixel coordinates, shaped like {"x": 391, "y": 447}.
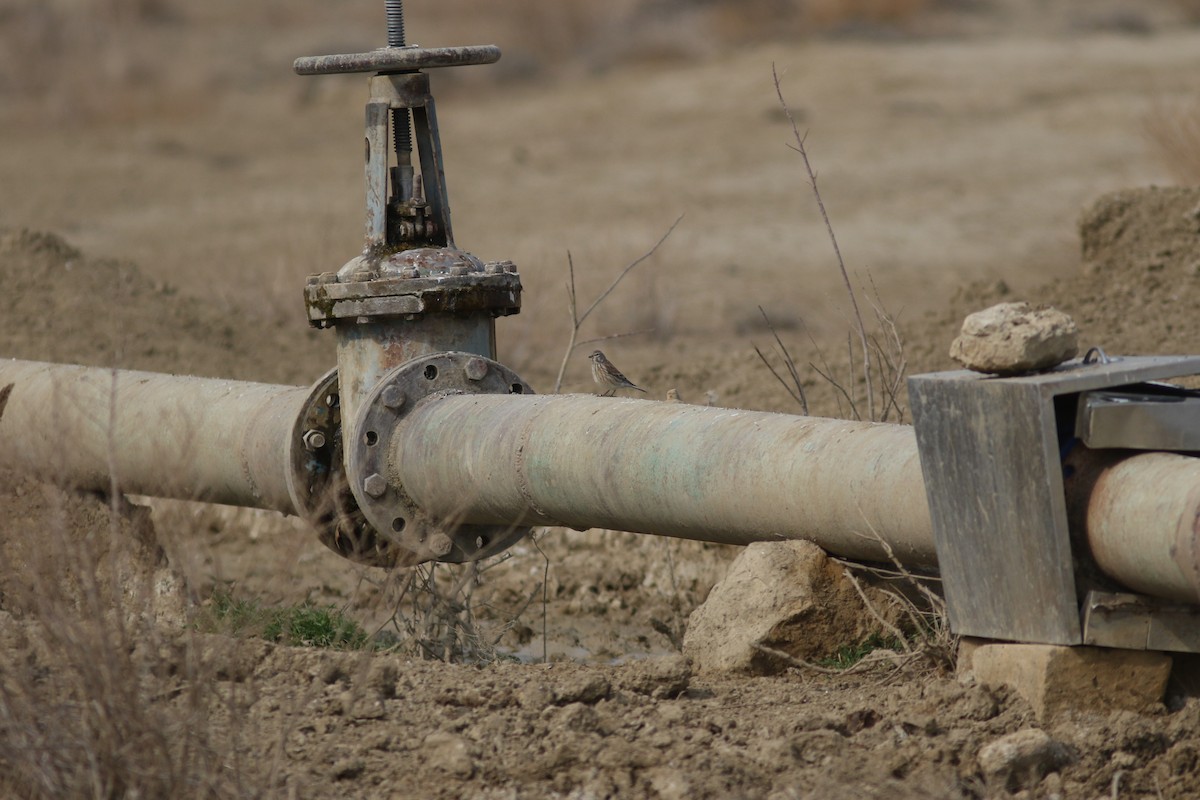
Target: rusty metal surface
{"x": 398, "y": 59}
{"x": 721, "y": 475}
{"x": 162, "y": 435}
{"x": 319, "y": 485}
{"x": 424, "y": 280}
{"x": 369, "y": 350}
{"x": 412, "y": 533}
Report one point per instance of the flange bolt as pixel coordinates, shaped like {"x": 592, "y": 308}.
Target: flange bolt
{"x": 313, "y": 440}
{"x": 476, "y": 369}
{"x": 393, "y": 397}
{"x": 375, "y": 484}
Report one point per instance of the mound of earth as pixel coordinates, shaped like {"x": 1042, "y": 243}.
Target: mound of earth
{"x": 1136, "y": 291}
{"x": 64, "y": 306}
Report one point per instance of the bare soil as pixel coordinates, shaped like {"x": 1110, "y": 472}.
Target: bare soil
{"x": 166, "y": 220}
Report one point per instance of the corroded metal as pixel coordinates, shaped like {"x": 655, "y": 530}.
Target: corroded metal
{"x": 319, "y": 485}
{"x": 398, "y": 59}
{"x": 713, "y": 474}
{"x": 389, "y": 310}
{"x": 414, "y": 534}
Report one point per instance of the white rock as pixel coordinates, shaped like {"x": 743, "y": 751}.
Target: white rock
{"x": 1012, "y": 338}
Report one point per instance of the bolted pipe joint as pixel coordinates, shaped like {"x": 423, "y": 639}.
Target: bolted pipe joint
{"x": 414, "y": 534}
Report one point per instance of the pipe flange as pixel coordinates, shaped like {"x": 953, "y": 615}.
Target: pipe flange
{"x": 414, "y": 535}
{"x": 318, "y": 485}
{"x": 412, "y": 283}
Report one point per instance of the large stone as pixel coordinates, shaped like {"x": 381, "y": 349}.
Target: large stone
{"x": 1056, "y": 679}
{"x": 1012, "y": 338}
{"x": 785, "y": 596}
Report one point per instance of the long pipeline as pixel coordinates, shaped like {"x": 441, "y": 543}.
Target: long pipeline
{"x": 711, "y": 474}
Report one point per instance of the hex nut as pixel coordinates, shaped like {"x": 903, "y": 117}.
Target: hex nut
{"x": 313, "y": 440}
{"x": 440, "y": 544}
{"x": 375, "y": 484}
{"x": 458, "y": 270}
{"x": 476, "y": 369}
{"x": 410, "y": 272}
{"x": 393, "y": 397}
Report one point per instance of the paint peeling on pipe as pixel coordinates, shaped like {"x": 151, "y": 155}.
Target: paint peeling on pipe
{"x": 713, "y": 474}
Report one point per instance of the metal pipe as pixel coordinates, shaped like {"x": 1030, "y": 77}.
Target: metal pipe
{"x": 1143, "y": 524}
{"x": 162, "y": 435}
{"x": 721, "y": 475}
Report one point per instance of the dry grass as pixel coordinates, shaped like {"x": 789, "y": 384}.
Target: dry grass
{"x": 103, "y": 692}
{"x": 1174, "y": 131}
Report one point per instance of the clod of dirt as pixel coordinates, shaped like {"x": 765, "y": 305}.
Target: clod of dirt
{"x": 658, "y": 678}
{"x": 1021, "y": 759}
{"x": 449, "y": 753}
{"x": 783, "y": 596}
{"x": 1014, "y": 338}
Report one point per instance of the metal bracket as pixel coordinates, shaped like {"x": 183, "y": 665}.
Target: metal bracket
{"x": 1134, "y": 622}
{"x": 990, "y": 451}
{"x": 1149, "y": 416}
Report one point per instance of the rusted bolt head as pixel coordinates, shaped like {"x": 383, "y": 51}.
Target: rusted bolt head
{"x": 476, "y": 369}
{"x": 493, "y": 267}
{"x": 458, "y": 270}
{"x": 375, "y": 484}
{"x": 393, "y": 397}
{"x": 313, "y": 440}
{"x": 440, "y": 544}
{"x": 410, "y": 272}
{"x": 326, "y": 277}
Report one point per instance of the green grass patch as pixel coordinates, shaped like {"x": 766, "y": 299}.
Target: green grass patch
{"x": 850, "y": 655}
{"x": 303, "y": 625}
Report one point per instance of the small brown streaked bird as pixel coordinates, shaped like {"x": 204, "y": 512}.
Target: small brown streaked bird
{"x": 609, "y": 377}
{"x": 673, "y": 396}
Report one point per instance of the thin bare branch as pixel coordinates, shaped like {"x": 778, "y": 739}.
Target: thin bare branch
{"x": 572, "y": 306}
{"x": 798, "y": 398}
{"x": 595, "y": 339}
{"x": 627, "y": 270}
{"x": 812, "y": 180}
{"x": 798, "y": 395}
{"x": 578, "y": 319}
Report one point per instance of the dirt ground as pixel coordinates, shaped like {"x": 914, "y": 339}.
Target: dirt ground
{"x": 163, "y": 214}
